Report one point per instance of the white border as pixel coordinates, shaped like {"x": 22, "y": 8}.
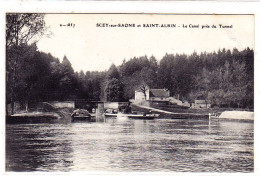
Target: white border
{"x": 187, "y": 7}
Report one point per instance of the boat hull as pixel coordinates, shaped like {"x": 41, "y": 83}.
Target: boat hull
{"x": 141, "y": 116}
{"x": 133, "y": 116}
{"x": 110, "y": 115}
{"x": 81, "y": 117}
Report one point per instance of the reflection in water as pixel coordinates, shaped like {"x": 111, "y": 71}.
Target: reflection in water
{"x": 33, "y": 147}
{"x": 131, "y": 145}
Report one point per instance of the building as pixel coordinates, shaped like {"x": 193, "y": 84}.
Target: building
{"x": 200, "y": 104}
{"x": 152, "y": 94}
{"x": 159, "y": 94}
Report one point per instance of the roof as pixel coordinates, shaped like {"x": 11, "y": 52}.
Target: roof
{"x": 159, "y": 93}
{"x": 200, "y": 101}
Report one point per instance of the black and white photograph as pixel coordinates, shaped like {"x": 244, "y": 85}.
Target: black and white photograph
{"x": 129, "y": 92}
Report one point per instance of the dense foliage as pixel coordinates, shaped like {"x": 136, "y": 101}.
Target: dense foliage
{"x": 21, "y": 29}
{"x": 225, "y": 78}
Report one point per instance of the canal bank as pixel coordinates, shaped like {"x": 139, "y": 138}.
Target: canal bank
{"x": 46, "y": 112}
{"x": 168, "y": 114}
{"x": 220, "y": 114}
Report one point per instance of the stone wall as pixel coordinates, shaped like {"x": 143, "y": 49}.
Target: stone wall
{"x": 63, "y": 104}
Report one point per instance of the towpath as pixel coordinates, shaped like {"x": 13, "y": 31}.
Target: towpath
{"x": 167, "y": 112}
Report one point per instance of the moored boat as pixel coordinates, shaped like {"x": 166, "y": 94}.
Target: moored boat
{"x": 80, "y": 114}
{"x": 132, "y": 116}
{"x": 110, "y": 114}
{"x": 143, "y": 116}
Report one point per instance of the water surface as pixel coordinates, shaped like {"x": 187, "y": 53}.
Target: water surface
{"x": 175, "y": 145}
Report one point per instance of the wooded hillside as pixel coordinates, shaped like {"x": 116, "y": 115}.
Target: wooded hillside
{"x": 223, "y": 78}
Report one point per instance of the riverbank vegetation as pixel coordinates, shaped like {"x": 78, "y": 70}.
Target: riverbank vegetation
{"x": 223, "y": 78}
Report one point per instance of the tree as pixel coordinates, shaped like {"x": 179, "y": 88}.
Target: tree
{"x": 239, "y": 82}
{"x": 175, "y": 73}
{"x": 113, "y": 72}
{"x": 16, "y": 71}
{"x": 68, "y": 83}
{"x": 143, "y": 88}
{"x": 225, "y": 85}
{"x": 66, "y": 66}
{"x": 113, "y": 86}
{"x": 114, "y": 90}
{"x": 20, "y": 30}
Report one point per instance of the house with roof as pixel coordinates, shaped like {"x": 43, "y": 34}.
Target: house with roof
{"x": 145, "y": 95}
{"x": 159, "y": 94}
{"x": 152, "y": 94}
{"x": 199, "y": 103}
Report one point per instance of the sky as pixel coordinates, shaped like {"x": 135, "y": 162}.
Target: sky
{"x": 91, "y": 46}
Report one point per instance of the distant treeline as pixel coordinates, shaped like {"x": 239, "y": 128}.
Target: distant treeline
{"x": 224, "y": 78}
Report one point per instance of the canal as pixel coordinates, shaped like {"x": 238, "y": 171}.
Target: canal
{"x": 174, "y": 145}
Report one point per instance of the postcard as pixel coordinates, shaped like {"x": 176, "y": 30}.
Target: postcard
{"x": 129, "y": 92}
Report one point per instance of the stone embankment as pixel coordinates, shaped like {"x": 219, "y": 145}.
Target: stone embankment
{"x": 45, "y": 112}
